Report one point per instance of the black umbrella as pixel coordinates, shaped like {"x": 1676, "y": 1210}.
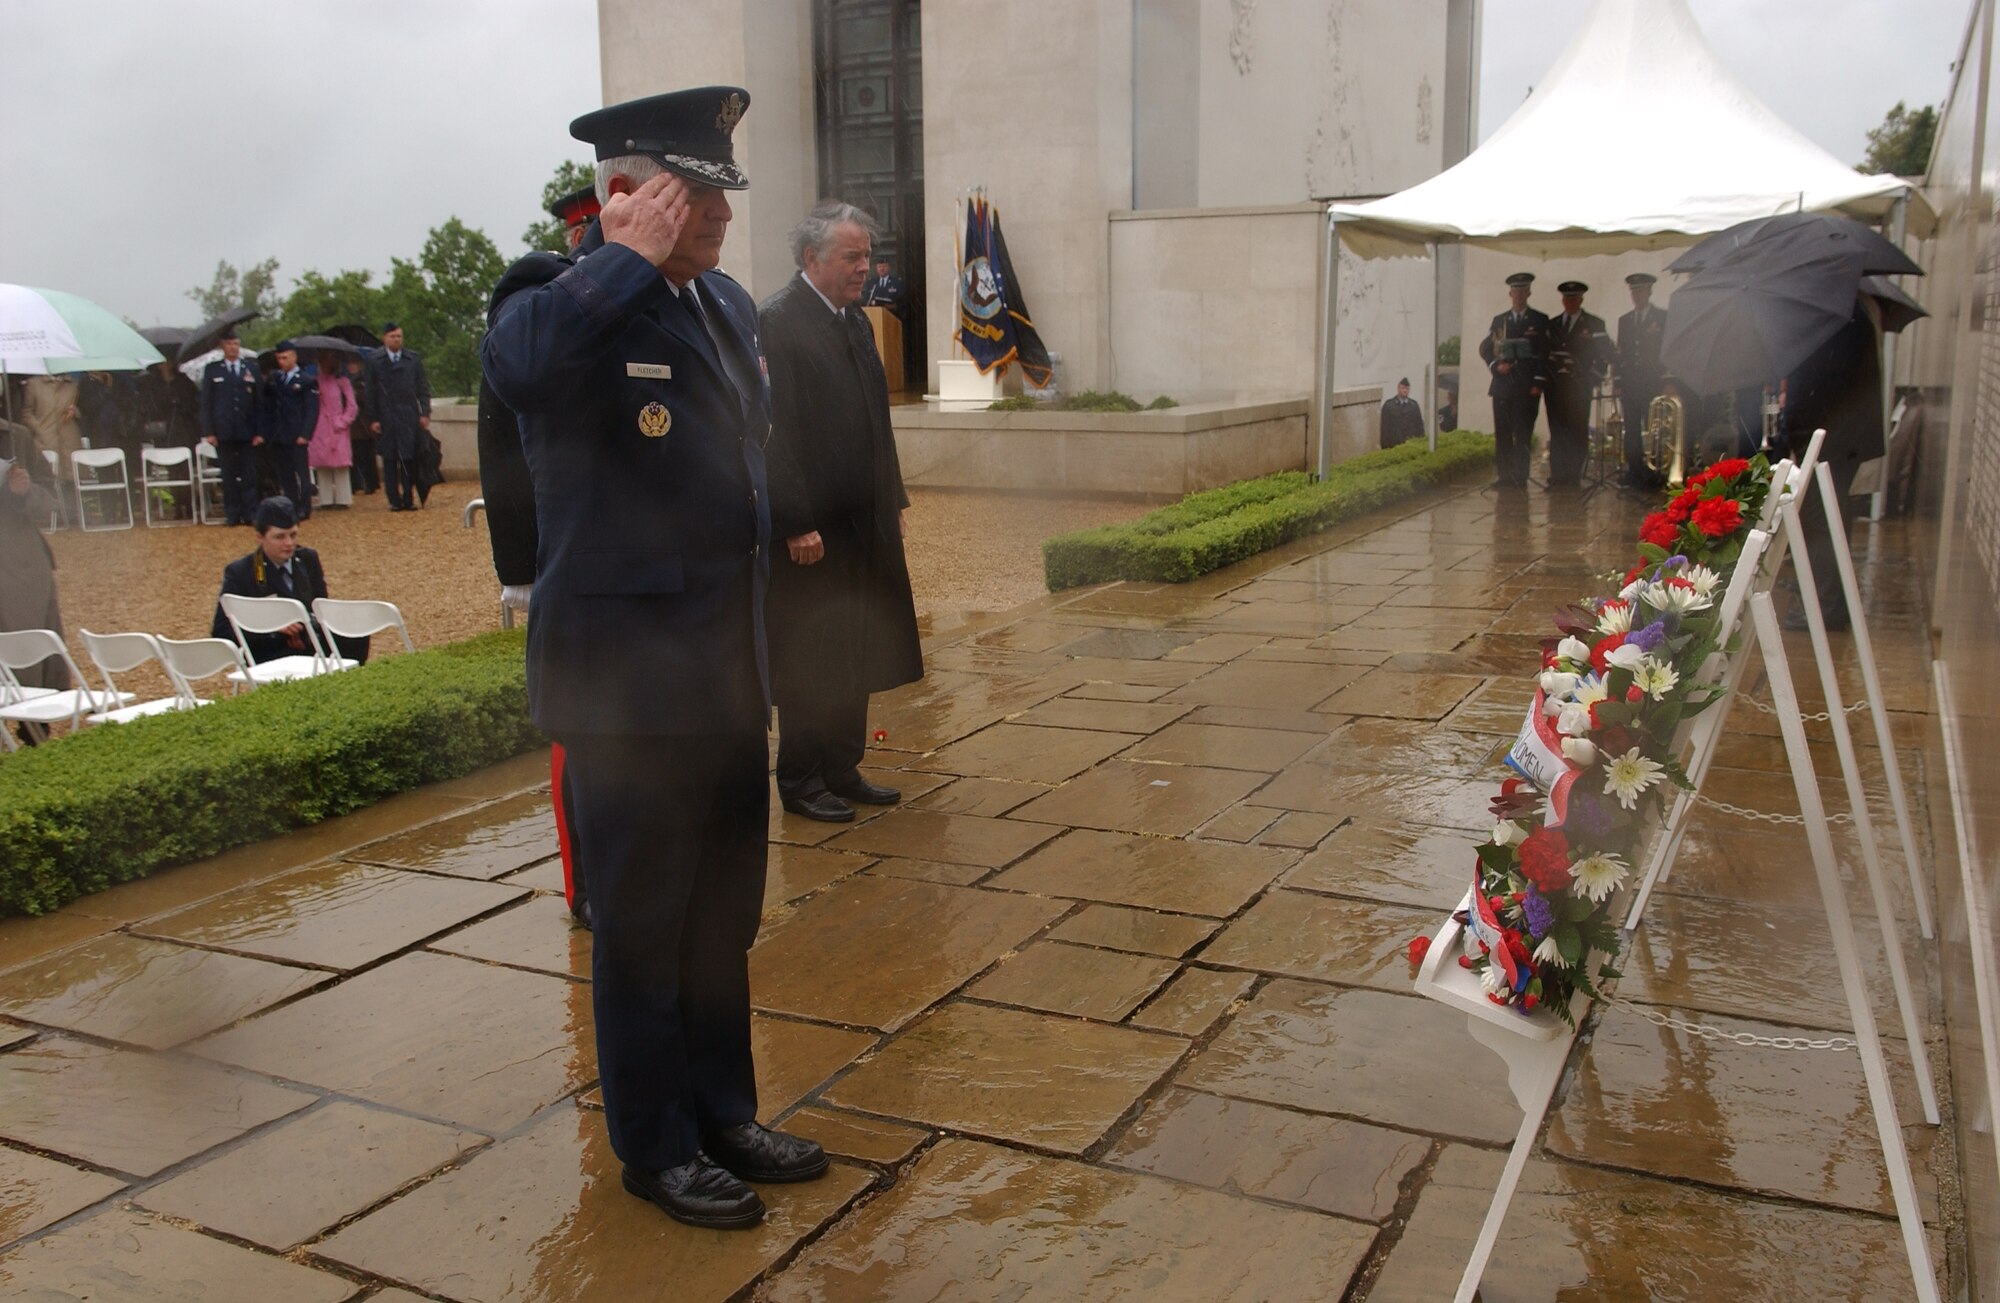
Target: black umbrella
{"x": 1799, "y": 239}
{"x": 323, "y": 343}
{"x": 1731, "y": 327}
{"x": 358, "y": 335}
{"x": 1898, "y": 308}
{"x": 165, "y": 337}
{"x": 211, "y": 332}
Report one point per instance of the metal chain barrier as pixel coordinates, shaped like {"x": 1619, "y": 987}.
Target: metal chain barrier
{"x": 1835, "y": 1044}
{"x": 1817, "y": 717}
{"x": 1765, "y": 816}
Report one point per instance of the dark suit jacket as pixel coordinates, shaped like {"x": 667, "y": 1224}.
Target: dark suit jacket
{"x": 398, "y": 393}
{"x": 509, "y": 493}
{"x": 1578, "y": 355}
{"x": 1529, "y": 373}
{"x": 291, "y": 406}
{"x": 1402, "y": 421}
{"x": 834, "y": 469}
{"x": 230, "y": 408}
{"x": 644, "y": 435}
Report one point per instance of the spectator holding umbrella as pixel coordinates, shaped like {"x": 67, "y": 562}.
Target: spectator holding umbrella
{"x": 399, "y": 395}
{"x": 168, "y": 404}
{"x": 330, "y": 453}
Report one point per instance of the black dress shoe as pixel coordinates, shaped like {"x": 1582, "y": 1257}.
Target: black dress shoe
{"x": 758, "y": 1153}
{"x": 699, "y": 1193}
{"x": 581, "y": 913}
{"x": 823, "y": 806}
{"x": 867, "y": 793}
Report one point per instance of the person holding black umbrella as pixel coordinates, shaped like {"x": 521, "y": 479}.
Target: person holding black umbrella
{"x": 329, "y": 453}
{"x": 1839, "y": 388}
{"x": 399, "y": 396}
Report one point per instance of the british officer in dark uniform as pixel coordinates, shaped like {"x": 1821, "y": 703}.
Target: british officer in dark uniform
{"x": 1641, "y": 332}
{"x": 1515, "y": 349}
{"x": 1579, "y": 352}
{"x": 510, "y": 526}
{"x": 637, "y": 375}
{"x": 232, "y": 420}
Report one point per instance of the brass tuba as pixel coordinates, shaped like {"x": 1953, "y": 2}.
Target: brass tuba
{"x": 1666, "y": 439}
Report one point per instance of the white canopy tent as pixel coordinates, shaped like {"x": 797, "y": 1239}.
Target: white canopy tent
{"x": 1638, "y": 138}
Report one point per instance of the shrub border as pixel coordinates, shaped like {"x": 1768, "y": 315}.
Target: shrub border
{"x": 116, "y": 802}
{"x": 1206, "y": 531}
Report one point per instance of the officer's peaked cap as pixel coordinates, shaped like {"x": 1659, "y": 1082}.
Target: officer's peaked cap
{"x": 688, "y": 131}
{"x": 1641, "y": 278}
{"x": 576, "y": 207}
{"x": 1572, "y": 287}
{"x": 1521, "y": 278}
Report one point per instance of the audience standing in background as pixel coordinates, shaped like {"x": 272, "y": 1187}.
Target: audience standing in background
{"x": 399, "y": 397}
{"x": 365, "y": 476}
{"x": 330, "y": 453}
{"x": 291, "y": 413}
{"x": 27, "y": 567}
{"x": 168, "y": 403}
{"x": 231, "y": 422}
{"x": 48, "y": 407}
{"x": 108, "y": 411}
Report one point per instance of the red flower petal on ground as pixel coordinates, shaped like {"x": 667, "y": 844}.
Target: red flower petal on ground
{"x": 1658, "y": 530}
{"x": 1718, "y": 516}
{"x": 1544, "y": 858}
{"x": 1418, "y": 949}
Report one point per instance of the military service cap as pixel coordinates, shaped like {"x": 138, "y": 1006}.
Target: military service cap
{"x": 1641, "y": 278}
{"x": 1521, "y": 278}
{"x": 1572, "y": 287}
{"x": 576, "y": 207}
{"x": 687, "y": 131}
{"x": 275, "y": 512}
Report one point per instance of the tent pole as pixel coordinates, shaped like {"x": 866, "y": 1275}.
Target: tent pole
{"x": 1329, "y": 321}
{"x": 1431, "y": 362}
{"x": 1898, "y": 228}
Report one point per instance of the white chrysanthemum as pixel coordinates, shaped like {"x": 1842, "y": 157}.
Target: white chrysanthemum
{"x": 1494, "y": 980}
{"x": 1614, "y": 617}
{"x": 1580, "y": 751}
{"x": 1547, "y": 951}
{"x": 1589, "y": 691}
{"x": 1674, "y": 599}
{"x": 1705, "y": 581}
{"x": 1574, "y": 649}
{"x": 1656, "y": 678}
{"x": 1558, "y": 683}
{"x": 1626, "y": 776}
{"x": 1625, "y": 657}
{"x": 1597, "y": 876}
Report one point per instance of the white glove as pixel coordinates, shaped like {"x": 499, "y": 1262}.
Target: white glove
{"x": 515, "y": 596}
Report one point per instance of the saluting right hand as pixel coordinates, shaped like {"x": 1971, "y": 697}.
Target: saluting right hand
{"x": 648, "y": 220}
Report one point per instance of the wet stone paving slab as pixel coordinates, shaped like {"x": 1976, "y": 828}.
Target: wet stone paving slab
{"x": 1113, "y": 1005}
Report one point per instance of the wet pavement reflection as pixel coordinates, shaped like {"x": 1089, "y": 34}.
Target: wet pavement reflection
{"x": 1113, "y": 1005}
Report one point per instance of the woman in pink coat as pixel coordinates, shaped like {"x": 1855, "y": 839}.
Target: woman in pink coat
{"x": 329, "y": 453}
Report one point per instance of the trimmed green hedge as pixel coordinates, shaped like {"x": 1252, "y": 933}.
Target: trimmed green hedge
{"x": 1206, "y": 531}
{"x": 116, "y": 802}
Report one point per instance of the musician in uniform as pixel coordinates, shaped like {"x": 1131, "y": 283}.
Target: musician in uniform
{"x": 1579, "y": 352}
{"x": 638, "y": 378}
{"x": 1515, "y": 350}
{"x": 1638, "y": 376}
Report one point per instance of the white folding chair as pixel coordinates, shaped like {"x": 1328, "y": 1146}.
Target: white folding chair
{"x": 99, "y": 462}
{"x": 360, "y": 619}
{"x": 120, "y": 653}
{"x": 161, "y": 471}
{"x": 190, "y": 659}
{"x": 40, "y": 707}
{"x": 209, "y": 507}
{"x": 270, "y": 615}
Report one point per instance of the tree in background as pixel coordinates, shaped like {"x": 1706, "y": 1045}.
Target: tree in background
{"x": 547, "y": 234}
{"x": 1901, "y": 146}
{"x": 317, "y": 302}
{"x": 440, "y": 301}
{"x": 252, "y": 287}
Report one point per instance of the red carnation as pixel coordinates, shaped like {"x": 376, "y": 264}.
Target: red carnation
{"x": 1418, "y": 949}
{"x": 1683, "y": 506}
{"x": 1718, "y": 516}
{"x": 1658, "y": 530}
{"x": 1728, "y": 468}
{"x": 1633, "y": 694}
{"x": 1545, "y": 860}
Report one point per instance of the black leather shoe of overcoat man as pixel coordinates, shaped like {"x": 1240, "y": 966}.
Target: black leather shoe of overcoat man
{"x": 699, "y": 1193}
{"x": 768, "y": 1157}
{"x": 823, "y": 806}
{"x": 864, "y": 792}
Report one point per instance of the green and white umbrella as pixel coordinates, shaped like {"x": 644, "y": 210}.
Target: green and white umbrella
{"x": 50, "y": 332}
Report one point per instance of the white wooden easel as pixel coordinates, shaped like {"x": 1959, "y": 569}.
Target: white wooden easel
{"x": 1535, "y": 1047}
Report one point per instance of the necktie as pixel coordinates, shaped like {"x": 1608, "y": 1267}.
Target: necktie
{"x": 232, "y": 370}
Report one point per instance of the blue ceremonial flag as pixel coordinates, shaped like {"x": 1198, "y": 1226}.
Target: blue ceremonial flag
{"x": 985, "y": 329}
{"x": 1029, "y": 350}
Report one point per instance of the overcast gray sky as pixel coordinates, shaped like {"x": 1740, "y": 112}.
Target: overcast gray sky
{"x": 141, "y": 141}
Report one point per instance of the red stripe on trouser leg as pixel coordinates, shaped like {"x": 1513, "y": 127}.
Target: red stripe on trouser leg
{"x": 562, "y": 823}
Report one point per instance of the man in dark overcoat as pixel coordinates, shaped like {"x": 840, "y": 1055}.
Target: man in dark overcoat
{"x": 168, "y": 407}
{"x": 232, "y": 420}
{"x": 1402, "y": 419}
{"x": 1838, "y": 388}
{"x": 291, "y": 410}
{"x": 399, "y": 415}
{"x": 1515, "y": 350}
{"x": 842, "y": 622}
{"x": 1579, "y": 353}
{"x": 1641, "y": 333}
{"x": 280, "y": 567}
{"x": 638, "y": 379}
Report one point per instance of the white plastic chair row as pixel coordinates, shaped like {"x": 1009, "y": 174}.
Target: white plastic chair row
{"x": 101, "y": 473}
{"x": 37, "y": 708}
{"x": 346, "y": 619}
{"x": 185, "y": 660}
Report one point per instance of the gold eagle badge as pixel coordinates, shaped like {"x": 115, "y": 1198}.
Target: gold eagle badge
{"x": 655, "y": 420}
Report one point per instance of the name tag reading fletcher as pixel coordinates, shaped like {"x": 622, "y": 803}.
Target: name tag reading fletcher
{"x": 649, "y": 371}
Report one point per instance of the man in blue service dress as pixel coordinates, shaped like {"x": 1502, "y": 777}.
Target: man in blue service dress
{"x": 638, "y": 378}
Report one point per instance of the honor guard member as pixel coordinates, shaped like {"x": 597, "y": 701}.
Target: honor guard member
{"x": 232, "y": 422}
{"x": 291, "y": 410}
{"x": 638, "y": 379}
{"x": 1515, "y": 351}
{"x": 1579, "y": 352}
{"x": 1402, "y": 419}
{"x": 510, "y": 526}
{"x": 1639, "y": 374}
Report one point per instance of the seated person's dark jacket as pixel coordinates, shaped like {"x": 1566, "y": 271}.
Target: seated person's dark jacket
{"x": 256, "y": 576}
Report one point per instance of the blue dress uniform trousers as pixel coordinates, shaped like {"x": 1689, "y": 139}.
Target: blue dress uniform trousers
{"x": 232, "y": 413}
{"x": 643, "y": 420}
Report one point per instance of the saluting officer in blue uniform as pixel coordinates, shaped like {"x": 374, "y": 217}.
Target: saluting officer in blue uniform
{"x": 637, "y": 375}
{"x": 232, "y": 421}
